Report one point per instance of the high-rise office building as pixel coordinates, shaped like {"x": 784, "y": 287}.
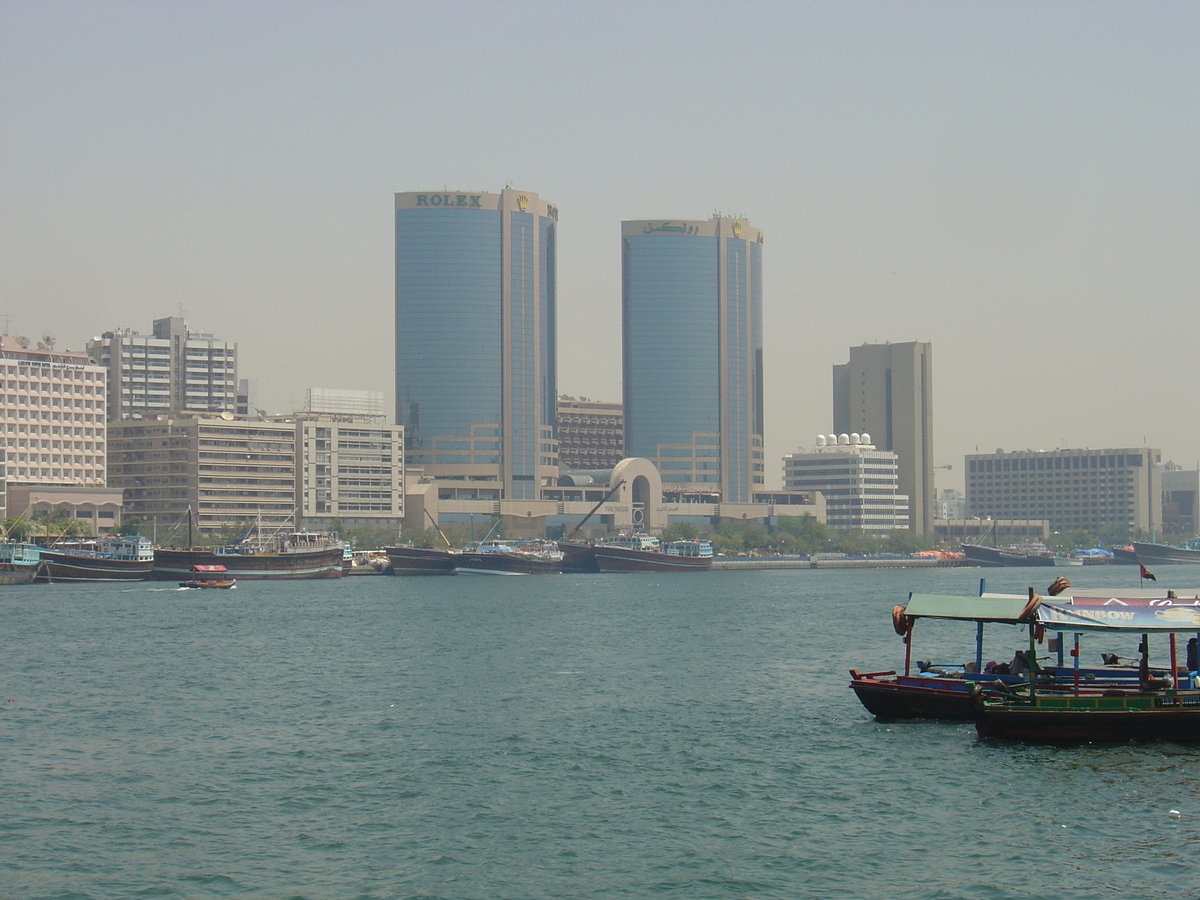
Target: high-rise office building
{"x": 475, "y": 338}
{"x": 692, "y": 352}
{"x": 887, "y": 391}
{"x": 174, "y": 370}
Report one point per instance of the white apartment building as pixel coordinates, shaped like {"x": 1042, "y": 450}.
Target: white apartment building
{"x": 352, "y": 471}
{"x": 860, "y": 483}
{"x": 174, "y": 370}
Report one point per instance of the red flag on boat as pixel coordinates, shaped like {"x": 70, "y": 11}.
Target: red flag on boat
{"x": 1146, "y": 573}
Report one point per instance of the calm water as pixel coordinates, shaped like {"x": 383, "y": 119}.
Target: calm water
{"x": 686, "y": 736}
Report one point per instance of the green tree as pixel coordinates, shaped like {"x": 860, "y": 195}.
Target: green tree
{"x": 805, "y": 533}
{"x": 680, "y": 531}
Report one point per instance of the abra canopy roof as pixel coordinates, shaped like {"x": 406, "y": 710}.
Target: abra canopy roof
{"x": 971, "y": 609}
{"x": 1161, "y": 616}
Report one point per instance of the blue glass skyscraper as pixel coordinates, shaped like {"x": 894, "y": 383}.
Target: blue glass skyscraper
{"x": 475, "y": 338}
{"x": 692, "y": 353}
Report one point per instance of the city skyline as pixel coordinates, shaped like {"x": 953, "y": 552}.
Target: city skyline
{"x": 1012, "y": 182}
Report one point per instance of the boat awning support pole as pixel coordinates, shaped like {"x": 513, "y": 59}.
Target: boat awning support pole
{"x": 908, "y": 647}
{"x": 1075, "y": 653}
{"x": 1033, "y": 666}
{"x": 1174, "y": 664}
{"x": 978, "y": 646}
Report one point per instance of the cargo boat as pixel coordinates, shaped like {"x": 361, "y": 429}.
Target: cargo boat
{"x": 1166, "y": 554}
{"x": 99, "y": 559}
{"x": 421, "y": 560}
{"x": 646, "y": 553}
{"x": 18, "y": 562}
{"x": 497, "y": 557}
{"x": 294, "y": 554}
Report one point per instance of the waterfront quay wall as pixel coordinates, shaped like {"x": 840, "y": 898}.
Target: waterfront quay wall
{"x": 792, "y": 562}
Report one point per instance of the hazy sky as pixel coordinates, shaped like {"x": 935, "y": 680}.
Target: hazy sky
{"x": 1018, "y": 183}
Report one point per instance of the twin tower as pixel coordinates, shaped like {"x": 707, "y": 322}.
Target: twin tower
{"x": 477, "y": 354}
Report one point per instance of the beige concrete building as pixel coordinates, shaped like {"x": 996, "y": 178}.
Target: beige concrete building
{"x": 591, "y": 434}
{"x": 52, "y": 421}
{"x": 173, "y": 370}
{"x": 886, "y": 390}
{"x": 1087, "y": 490}
{"x": 99, "y": 507}
{"x": 228, "y": 471}
{"x": 640, "y": 502}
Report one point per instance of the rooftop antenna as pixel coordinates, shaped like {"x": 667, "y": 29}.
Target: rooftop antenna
{"x": 7, "y": 320}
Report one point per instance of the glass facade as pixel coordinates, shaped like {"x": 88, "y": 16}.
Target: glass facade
{"x": 475, "y": 322}
{"x": 671, "y": 341}
{"x": 447, "y": 324}
{"x": 692, "y": 339}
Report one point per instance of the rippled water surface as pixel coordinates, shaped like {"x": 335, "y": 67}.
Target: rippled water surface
{"x": 686, "y": 736}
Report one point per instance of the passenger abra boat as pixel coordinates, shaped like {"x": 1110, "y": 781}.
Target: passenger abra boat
{"x": 209, "y": 577}
{"x": 99, "y": 559}
{"x": 18, "y": 562}
{"x": 646, "y": 553}
{"x": 1160, "y": 706}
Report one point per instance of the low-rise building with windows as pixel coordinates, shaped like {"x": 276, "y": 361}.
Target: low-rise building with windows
{"x": 1075, "y": 490}
{"x": 859, "y": 482}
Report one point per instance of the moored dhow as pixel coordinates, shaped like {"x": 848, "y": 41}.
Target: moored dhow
{"x": 18, "y": 562}
{"x": 1167, "y": 554}
{"x": 98, "y": 559}
{"x": 295, "y": 554}
{"x": 498, "y": 557}
{"x": 646, "y": 553}
{"x": 422, "y": 560}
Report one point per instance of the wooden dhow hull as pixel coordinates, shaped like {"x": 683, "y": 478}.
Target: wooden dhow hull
{"x": 622, "y": 559}
{"x": 1165, "y": 555}
{"x": 17, "y": 576}
{"x": 578, "y": 557}
{"x": 67, "y": 567}
{"x": 505, "y": 563}
{"x": 421, "y": 560}
{"x": 176, "y": 565}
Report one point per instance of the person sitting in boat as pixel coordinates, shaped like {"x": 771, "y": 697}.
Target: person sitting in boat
{"x": 1193, "y": 662}
{"x": 1020, "y": 663}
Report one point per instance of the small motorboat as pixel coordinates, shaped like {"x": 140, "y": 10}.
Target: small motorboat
{"x": 209, "y": 577}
